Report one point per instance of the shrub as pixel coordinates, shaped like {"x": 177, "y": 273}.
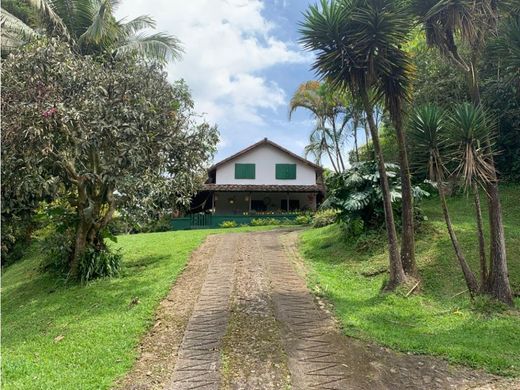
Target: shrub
{"x": 97, "y": 264}
{"x": 161, "y": 224}
{"x": 265, "y": 221}
{"x": 304, "y": 219}
{"x": 356, "y": 194}
{"x": 228, "y": 224}
{"x": 325, "y": 217}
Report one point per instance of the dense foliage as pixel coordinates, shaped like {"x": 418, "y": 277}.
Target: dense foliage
{"x": 99, "y": 136}
{"x": 356, "y": 195}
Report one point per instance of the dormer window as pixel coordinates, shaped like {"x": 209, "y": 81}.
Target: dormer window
{"x": 285, "y": 171}
{"x": 245, "y": 171}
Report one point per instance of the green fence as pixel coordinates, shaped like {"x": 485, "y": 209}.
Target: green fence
{"x": 209, "y": 221}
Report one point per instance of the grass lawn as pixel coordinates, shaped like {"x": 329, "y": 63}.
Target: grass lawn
{"x": 85, "y": 337}
{"x": 437, "y": 321}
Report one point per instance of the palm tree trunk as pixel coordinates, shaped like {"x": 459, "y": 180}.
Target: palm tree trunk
{"x": 499, "y": 286}
{"x": 397, "y": 275}
{"x": 355, "y": 124}
{"x": 469, "y": 276}
{"x": 331, "y": 158}
{"x": 408, "y": 235}
{"x": 341, "y": 163}
{"x": 481, "y": 242}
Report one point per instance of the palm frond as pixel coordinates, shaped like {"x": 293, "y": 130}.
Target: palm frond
{"x": 46, "y": 11}
{"x": 137, "y": 24}
{"x": 14, "y": 32}
{"x": 160, "y": 47}
{"x": 428, "y": 141}
{"x": 103, "y": 29}
{"x": 471, "y": 128}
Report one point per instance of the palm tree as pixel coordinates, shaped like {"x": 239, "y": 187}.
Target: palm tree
{"x": 471, "y": 131}
{"x": 347, "y": 57}
{"x": 428, "y": 133}
{"x": 449, "y": 24}
{"x": 328, "y": 108}
{"x": 91, "y": 28}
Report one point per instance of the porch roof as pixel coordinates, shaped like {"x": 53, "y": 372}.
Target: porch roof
{"x": 262, "y": 188}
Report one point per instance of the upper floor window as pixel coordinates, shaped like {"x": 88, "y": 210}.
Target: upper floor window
{"x": 286, "y": 171}
{"x": 244, "y": 171}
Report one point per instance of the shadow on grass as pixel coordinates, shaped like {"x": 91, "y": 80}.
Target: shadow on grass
{"x": 66, "y": 303}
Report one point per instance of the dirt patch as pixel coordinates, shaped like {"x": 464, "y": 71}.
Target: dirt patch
{"x": 158, "y": 349}
{"x": 252, "y": 351}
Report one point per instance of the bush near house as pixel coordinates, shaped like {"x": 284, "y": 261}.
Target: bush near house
{"x": 324, "y": 217}
{"x": 228, "y": 224}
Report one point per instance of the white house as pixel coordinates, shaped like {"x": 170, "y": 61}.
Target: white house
{"x": 265, "y": 177}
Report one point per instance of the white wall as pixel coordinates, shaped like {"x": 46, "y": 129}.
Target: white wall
{"x": 266, "y": 157}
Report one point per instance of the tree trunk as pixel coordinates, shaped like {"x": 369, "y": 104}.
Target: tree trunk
{"x": 331, "y": 160}
{"x": 80, "y": 245}
{"x": 355, "y": 126}
{"x": 397, "y": 275}
{"x": 367, "y": 136}
{"x": 469, "y": 276}
{"x": 408, "y": 235}
{"x": 499, "y": 286}
{"x": 481, "y": 241}
{"x": 341, "y": 163}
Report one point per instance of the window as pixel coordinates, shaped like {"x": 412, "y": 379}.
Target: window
{"x": 244, "y": 171}
{"x": 286, "y": 171}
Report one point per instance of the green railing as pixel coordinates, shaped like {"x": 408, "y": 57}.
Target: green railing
{"x": 210, "y": 221}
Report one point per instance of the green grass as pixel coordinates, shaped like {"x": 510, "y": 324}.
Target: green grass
{"x": 100, "y": 327}
{"x": 433, "y": 322}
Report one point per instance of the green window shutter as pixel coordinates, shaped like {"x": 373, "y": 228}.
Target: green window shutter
{"x": 244, "y": 171}
{"x": 286, "y": 171}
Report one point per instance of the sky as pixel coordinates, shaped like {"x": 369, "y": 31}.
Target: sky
{"x": 242, "y": 62}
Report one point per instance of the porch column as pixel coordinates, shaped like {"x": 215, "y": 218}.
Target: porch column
{"x": 287, "y": 202}
{"x": 249, "y": 202}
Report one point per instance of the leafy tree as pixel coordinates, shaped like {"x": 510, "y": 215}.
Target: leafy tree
{"x": 110, "y": 135}
{"x": 358, "y": 45}
{"x": 90, "y": 27}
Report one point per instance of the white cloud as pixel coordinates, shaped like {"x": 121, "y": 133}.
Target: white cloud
{"x": 228, "y": 44}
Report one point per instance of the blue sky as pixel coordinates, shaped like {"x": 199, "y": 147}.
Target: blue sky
{"x": 242, "y": 62}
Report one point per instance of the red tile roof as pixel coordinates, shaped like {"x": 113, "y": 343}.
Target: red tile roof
{"x": 262, "y": 188}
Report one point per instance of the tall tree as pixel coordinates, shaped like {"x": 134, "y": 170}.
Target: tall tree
{"x": 449, "y": 24}
{"x": 108, "y": 134}
{"x": 329, "y": 108}
{"x": 346, "y": 56}
{"x": 91, "y": 28}
{"x": 428, "y": 131}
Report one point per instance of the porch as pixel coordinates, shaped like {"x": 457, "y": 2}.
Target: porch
{"x": 242, "y": 203}
{"x": 256, "y": 199}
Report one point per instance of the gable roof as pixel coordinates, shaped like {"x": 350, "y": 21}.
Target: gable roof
{"x": 265, "y": 141}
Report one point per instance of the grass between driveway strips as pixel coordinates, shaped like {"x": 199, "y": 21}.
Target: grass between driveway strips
{"x": 437, "y": 321}
{"x": 85, "y": 337}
